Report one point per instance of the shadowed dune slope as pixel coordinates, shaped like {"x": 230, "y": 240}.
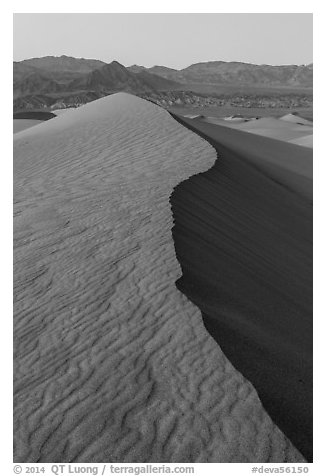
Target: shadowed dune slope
{"x": 243, "y": 237}
{"x": 288, "y": 164}
{"x": 112, "y": 362}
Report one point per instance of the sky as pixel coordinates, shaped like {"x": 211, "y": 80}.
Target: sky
{"x": 169, "y": 39}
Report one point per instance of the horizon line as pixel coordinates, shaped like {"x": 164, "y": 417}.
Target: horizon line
{"x": 160, "y": 65}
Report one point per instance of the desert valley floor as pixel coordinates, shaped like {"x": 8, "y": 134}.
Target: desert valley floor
{"x": 113, "y": 360}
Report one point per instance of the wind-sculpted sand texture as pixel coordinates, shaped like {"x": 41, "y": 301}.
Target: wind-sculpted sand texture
{"x": 243, "y": 237}
{"x": 112, "y": 362}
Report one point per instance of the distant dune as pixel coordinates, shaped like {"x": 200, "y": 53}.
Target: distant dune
{"x": 296, "y": 119}
{"x": 237, "y": 119}
{"x": 112, "y": 362}
{"x": 21, "y": 124}
{"x": 276, "y": 128}
{"x": 26, "y": 119}
{"x": 243, "y": 237}
{"x": 288, "y": 128}
{"x": 306, "y": 141}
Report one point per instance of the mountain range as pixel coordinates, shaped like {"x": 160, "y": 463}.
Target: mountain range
{"x": 60, "y": 81}
{"x": 221, "y": 72}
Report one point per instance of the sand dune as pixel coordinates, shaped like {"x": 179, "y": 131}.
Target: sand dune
{"x": 112, "y": 362}
{"x": 243, "y": 236}
{"x": 281, "y": 129}
{"x": 235, "y": 119}
{"x": 305, "y": 141}
{"x": 275, "y": 128}
{"x": 294, "y": 118}
{"x": 22, "y": 124}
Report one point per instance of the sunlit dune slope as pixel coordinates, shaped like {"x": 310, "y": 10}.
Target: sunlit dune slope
{"x": 243, "y": 237}
{"x": 305, "y": 141}
{"x": 112, "y": 362}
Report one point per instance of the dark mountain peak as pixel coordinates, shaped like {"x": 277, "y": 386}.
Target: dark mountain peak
{"x": 113, "y": 77}
{"x": 116, "y": 63}
{"x": 109, "y": 69}
{"x": 113, "y": 67}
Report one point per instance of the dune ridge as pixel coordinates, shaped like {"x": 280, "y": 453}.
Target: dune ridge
{"x": 112, "y": 362}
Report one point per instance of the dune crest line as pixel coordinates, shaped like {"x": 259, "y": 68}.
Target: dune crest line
{"x": 112, "y": 362}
